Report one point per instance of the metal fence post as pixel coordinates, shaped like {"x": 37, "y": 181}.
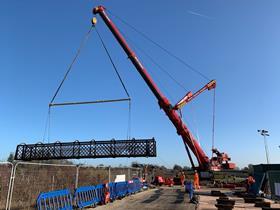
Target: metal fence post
{"x": 109, "y": 174}
{"x": 128, "y": 174}
{"x": 77, "y": 176}
{"x": 28, "y": 163}
{"x": 10, "y": 182}
{"x": 141, "y": 173}
{"x": 12, "y": 185}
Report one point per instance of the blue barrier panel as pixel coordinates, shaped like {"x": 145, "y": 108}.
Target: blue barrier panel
{"x": 134, "y": 186}
{"x": 130, "y": 187}
{"x": 121, "y": 189}
{"x": 100, "y": 191}
{"x": 112, "y": 190}
{"x": 85, "y": 196}
{"x": 138, "y": 185}
{"x": 58, "y": 200}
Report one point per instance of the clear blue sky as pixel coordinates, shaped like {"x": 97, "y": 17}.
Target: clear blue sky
{"x": 235, "y": 42}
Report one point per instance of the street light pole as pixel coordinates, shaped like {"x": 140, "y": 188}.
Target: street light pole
{"x": 264, "y": 133}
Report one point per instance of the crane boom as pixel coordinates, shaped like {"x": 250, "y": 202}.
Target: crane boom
{"x": 190, "y": 96}
{"x": 163, "y": 102}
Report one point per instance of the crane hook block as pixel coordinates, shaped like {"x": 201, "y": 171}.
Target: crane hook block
{"x": 94, "y": 21}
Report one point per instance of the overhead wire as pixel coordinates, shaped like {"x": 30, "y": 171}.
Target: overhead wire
{"x": 160, "y": 46}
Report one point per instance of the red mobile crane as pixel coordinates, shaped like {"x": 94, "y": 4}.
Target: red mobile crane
{"x": 215, "y": 163}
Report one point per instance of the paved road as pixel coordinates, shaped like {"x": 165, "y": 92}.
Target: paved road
{"x": 163, "y": 198}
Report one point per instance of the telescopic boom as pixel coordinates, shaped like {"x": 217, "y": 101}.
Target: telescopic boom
{"x": 163, "y": 102}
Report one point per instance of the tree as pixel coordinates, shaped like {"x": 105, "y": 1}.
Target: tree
{"x": 177, "y": 168}
{"x": 250, "y": 168}
{"x": 187, "y": 168}
{"x": 11, "y": 157}
{"x": 135, "y": 164}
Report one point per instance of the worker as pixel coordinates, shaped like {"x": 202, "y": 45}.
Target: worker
{"x": 106, "y": 193}
{"x": 182, "y": 177}
{"x": 189, "y": 188}
{"x": 196, "y": 180}
{"x": 250, "y": 183}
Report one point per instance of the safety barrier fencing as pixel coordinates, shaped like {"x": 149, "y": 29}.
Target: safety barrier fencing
{"x": 112, "y": 190}
{"x": 59, "y": 199}
{"x": 87, "y": 196}
{"x": 29, "y": 179}
{"x": 121, "y": 189}
{"x": 21, "y": 182}
{"x": 100, "y": 190}
{"x": 134, "y": 186}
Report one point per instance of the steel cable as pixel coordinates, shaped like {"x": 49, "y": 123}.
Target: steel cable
{"x": 72, "y": 63}
{"x": 161, "y": 47}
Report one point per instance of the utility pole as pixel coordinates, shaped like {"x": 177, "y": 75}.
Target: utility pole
{"x": 264, "y": 133}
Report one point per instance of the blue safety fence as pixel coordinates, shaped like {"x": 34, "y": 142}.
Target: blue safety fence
{"x": 112, "y": 190}
{"x": 138, "y": 185}
{"x": 121, "y": 189}
{"x": 58, "y": 200}
{"x": 100, "y": 191}
{"x": 87, "y": 195}
{"x": 134, "y": 186}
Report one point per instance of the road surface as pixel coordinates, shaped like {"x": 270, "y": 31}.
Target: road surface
{"x": 163, "y": 198}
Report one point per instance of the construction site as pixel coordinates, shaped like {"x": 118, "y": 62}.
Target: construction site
{"x": 160, "y": 105}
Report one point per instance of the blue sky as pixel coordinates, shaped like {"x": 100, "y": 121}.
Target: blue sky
{"x": 235, "y": 42}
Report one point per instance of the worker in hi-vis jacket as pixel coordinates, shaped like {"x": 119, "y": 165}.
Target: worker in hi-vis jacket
{"x": 196, "y": 180}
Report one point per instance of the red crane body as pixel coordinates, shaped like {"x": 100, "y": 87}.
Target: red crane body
{"x": 170, "y": 111}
